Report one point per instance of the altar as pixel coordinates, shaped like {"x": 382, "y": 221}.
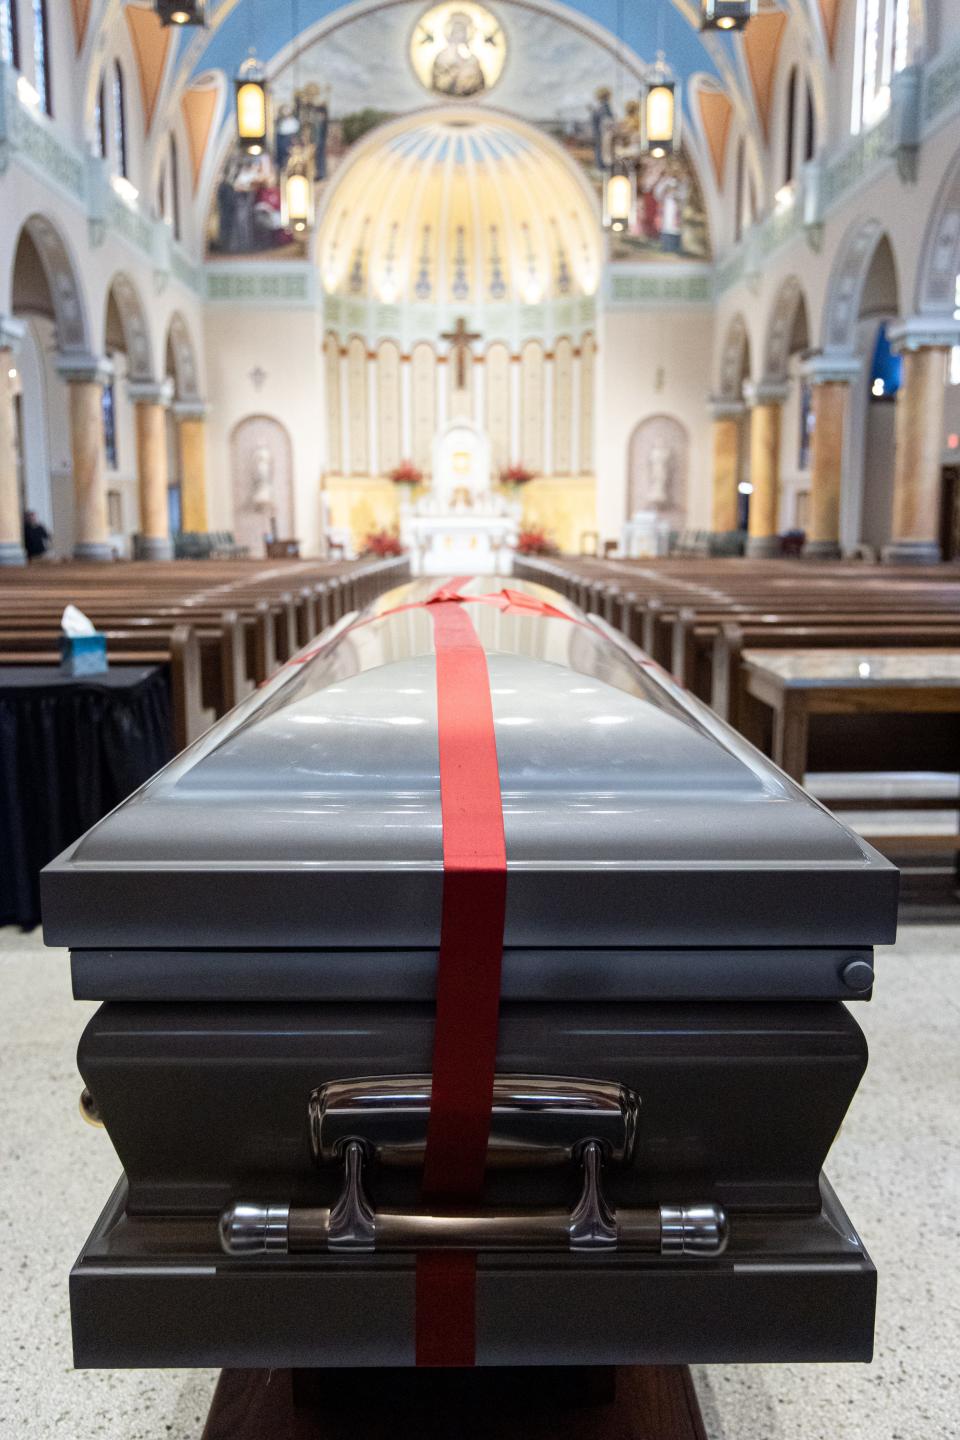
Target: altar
{"x": 461, "y": 524}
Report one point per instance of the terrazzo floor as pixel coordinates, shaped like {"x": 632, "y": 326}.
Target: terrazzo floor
{"x": 896, "y": 1165}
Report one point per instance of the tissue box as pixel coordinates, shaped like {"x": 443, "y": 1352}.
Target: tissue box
{"x": 83, "y": 654}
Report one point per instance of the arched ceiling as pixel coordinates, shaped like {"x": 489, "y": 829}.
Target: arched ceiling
{"x": 234, "y": 26}
{"x": 459, "y": 206}
{"x": 729, "y": 63}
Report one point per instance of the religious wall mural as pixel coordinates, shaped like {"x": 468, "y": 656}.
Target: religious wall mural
{"x": 458, "y": 49}
{"x": 395, "y": 61}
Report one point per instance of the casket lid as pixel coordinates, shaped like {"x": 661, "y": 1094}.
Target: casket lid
{"x": 310, "y": 816}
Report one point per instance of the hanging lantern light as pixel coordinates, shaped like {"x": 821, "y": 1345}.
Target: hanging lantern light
{"x": 726, "y": 14}
{"x": 296, "y": 205}
{"x": 181, "y": 12}
{"x": 619, "y": 199}
{"x": 659, "y": 114}
{"x": 251, "y": 105}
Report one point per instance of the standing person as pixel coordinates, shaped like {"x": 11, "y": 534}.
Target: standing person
{"x": 226, "y": 209}
{"x": 601, "y": 119}
{"x": 672, "y": 194}
{"x": 36, "y": 536}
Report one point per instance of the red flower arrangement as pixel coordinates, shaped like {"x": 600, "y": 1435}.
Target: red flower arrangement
{"x": 516, "y": 475}
{"x": 382, "y": 543}
{"x": 534, "y": 540}
{"x": 406, "y": 473}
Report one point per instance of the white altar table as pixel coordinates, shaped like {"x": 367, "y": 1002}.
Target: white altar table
{"x": 461, "y": 524}
{"x": 455, "y": 542}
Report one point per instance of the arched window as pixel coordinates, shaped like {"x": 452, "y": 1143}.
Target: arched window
{"x": 119, "y": 120}
{"x": 809, "y": 128}
{"x": 882, "y": 49}
{"x": 738, "y": 192}
{"x": 790, "y": 129}
{"x": 175, "y": 187}
{"x": 160, "y": 208}
{"x": 100, "y": 120}
{"x": 9, "y": 34}
{"x": 41, "y": 56}
{"x": 108, "y": 407}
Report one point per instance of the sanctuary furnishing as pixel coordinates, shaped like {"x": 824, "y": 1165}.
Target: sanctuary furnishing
{"x": 394, "y": 1071}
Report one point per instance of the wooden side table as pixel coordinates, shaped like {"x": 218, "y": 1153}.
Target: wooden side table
{"x": 796, "y": 684}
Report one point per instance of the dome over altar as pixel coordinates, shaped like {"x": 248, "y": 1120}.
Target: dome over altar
{"x": 459, "y": 207}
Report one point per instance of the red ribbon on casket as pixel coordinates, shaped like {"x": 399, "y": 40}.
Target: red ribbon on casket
{"x": 468, "y": 971}
{"x": 471, "y": 952}
{"x": 473, "y": 911}
{"x": 511, "y": 602}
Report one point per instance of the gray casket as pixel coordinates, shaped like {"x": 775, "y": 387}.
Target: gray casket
{"x": 262, "y": 923}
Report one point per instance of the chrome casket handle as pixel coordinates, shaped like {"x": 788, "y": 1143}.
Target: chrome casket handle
{"x": 352, "y": 1226}
{"x": 535, "y": 1120}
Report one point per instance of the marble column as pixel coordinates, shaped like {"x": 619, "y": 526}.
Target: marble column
{"x": 829, "y": 377}
{"x": 766, "y": 402}
{"x": 925, "y": 343}
{"x": 11, "y": 519}
{"x": 727, "y": 416}
{"x": 86, "y": 376}
{"x": 191, "y": 416}
{"x": 150, "y": 401}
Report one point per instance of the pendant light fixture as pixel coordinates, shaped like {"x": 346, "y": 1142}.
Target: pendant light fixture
{"x": 620, "y": 187}
{"x": 726, "y": 14}
{"x": 296, "y": 204}
{"x": 252, "y": 105}
{"x": 659, "y": 113}
{"x": 181, "y": 12}
{"x": 620, "y": 199}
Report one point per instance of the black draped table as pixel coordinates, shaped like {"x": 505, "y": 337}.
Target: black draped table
{"x": 70, "y": 750}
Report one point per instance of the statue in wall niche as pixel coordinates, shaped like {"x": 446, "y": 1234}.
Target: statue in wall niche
{"x": 660, "y": 467}
{"x": 262, "y": 491}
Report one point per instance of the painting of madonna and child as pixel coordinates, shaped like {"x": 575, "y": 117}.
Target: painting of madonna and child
{"x": 365, "y": 70}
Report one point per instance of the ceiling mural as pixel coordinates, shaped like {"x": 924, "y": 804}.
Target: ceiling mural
{"x": 510, "y": 60}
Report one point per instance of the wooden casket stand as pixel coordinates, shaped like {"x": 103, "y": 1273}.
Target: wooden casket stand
{"x": 644, "y": 1402}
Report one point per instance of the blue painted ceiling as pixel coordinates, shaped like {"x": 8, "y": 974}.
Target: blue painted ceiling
{"x": 269, "y": 26}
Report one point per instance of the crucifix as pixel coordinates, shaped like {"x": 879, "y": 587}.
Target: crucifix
{"x": 460, "y": 341}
